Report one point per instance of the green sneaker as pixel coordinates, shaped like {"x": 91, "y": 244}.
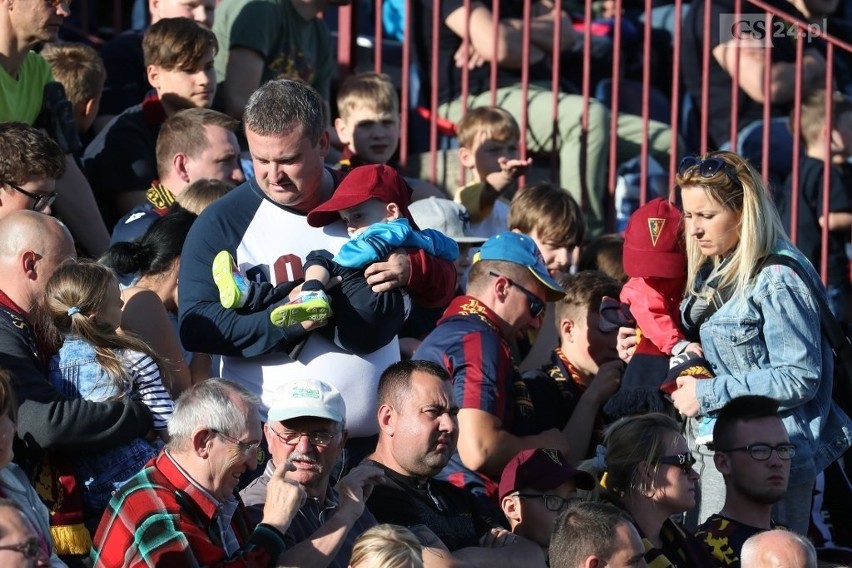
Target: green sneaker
{"x": 232, "y": 285}
{"x": 309, "y": 306}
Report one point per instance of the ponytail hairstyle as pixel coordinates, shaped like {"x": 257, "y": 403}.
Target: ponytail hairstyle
{"x": 154, "y": 254}
{"x": 73, "y": 295}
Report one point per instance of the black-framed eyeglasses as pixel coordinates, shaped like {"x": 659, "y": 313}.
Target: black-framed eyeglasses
{"x": 291, "y": 437}
{"x": 708, "y": 168}
{"x": 553, "y": 503}
{"x": 244, "y": 447}
{"x": 683, "y": 461}
{"x": 30, "y": 548}
{"x": 762, "y": 452}
{"x": 536, "y": 304}
{"x": 41, "y": 201}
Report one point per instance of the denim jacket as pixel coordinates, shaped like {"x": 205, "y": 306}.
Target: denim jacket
{"x": 75, "y": 373}
{"x": 768, "y": 342}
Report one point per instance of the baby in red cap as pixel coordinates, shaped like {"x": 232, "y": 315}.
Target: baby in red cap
{"x": 373, "y": 201}
{"x": 655, "y": 260}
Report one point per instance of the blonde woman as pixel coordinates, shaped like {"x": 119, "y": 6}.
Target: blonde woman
{"x": 759, "y": 325}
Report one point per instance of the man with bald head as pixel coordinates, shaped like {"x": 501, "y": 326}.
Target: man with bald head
{"x": 32, "y": 246}
{"x": 778, "y": 548}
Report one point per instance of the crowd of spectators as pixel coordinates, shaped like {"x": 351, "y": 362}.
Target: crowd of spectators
{"x": 234, "y": 333}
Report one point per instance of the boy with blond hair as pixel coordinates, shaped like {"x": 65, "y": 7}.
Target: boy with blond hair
{"x": 488, "y": 146}
{"x": 80, "y": 70}
{"x": 814, "y": 133}
{"x": 368, "y": 126}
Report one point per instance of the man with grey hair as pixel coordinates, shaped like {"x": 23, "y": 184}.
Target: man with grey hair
{"x": 778, "y": 548}
{"x": 591, "y": 535}
{"x": 306, "y": 433}
{"x": 181, "y": 509}
{"x": 262, "y": 224}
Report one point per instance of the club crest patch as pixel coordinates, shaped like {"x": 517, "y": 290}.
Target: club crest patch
{"x": 655, "y": 227}
{"x": 551, "y": 453}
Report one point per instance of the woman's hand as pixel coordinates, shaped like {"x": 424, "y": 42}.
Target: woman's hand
{"x": 626, "y": 343}
{"x": 685, "y": 398}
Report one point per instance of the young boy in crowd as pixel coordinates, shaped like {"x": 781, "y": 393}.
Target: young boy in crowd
{"x": 815, "y": 132}
{"x": 373, "y": 202}
{"x": 489, "y": 138}
{"x": 554, "y": 220}
{"x": 81, "y": 72}
{"x": 121, "y": 161}
{"x": 583, "y": 370}
{"x": 534, "y": 487}
{"x": 368, "y": 126}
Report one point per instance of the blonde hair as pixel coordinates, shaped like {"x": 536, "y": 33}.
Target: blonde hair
{"x": 196, "y": 196}
{"x": 369, "y": 89}
{"x": 387, "y": 546}
{"x": 78, "y": 67}
{"x": 759, "y": 228}
{"x": 74, "y": 293}
{"x": 492, "y": 122}
{"x": 629, "y": 442}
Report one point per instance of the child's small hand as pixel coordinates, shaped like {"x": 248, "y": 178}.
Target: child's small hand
{"x": 510, "y": 171}
{"x": 695, "y": 348}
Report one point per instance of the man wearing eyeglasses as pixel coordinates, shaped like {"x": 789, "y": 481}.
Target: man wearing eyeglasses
{"x": 30, "y": 163}
{"x": 535, "y": 487}
{"x": 753, "y": 453}
{"x": 508, "y": 288}
{"x": 306, "y": 432}
{"x": 23, "y": 25}
{"x": 181, "y": 509}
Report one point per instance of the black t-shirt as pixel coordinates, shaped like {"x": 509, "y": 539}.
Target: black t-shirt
{"x": 126, "y": 81}
{"x": 451, "y": 513}
{"x": 450, "y": 76}
{"x": 809, "y": 237}
{"x": 719, "y": 111}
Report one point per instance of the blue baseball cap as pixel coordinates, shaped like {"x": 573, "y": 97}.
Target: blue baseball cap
{"x": 520, "y": 249}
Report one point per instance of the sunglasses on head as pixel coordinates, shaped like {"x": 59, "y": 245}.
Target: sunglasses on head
{"x": 708, "y": 168}
{"x": 683, "y": 461}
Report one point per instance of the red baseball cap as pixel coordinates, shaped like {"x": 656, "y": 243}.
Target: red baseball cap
{"x": 541, "y": 469}
{"x": 374, "y": 181}
{"x": 653, "y": 242}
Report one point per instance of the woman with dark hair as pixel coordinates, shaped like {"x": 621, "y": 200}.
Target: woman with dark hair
{"x": 648, "y": 471}
{"x": 150, "y": 304}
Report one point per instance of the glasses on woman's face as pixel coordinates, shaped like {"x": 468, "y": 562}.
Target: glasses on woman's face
{"x": 708, "y": 168}
{"x": 762, "y": 452}
{"x": 553, "y": 503}
{"x": 41, "y": 201}
{"x": 683, "y": 461}
{"x": 30, "y": 548}
{"x": 536, "y": 304}
{"x": 245, "y": 447}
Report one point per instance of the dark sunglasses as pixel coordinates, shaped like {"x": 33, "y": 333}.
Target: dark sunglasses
{"x": 683, "y": 461}
{"x": 708, "y": 168}
{"x": 41, "y": 201}
{"x": 536, "y": 304}
{"x": 762, "y": 452}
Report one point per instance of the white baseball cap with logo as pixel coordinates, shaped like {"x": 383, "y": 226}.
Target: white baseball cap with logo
{"x": 445, "y": 216}
{"x": 307, "y": 398}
